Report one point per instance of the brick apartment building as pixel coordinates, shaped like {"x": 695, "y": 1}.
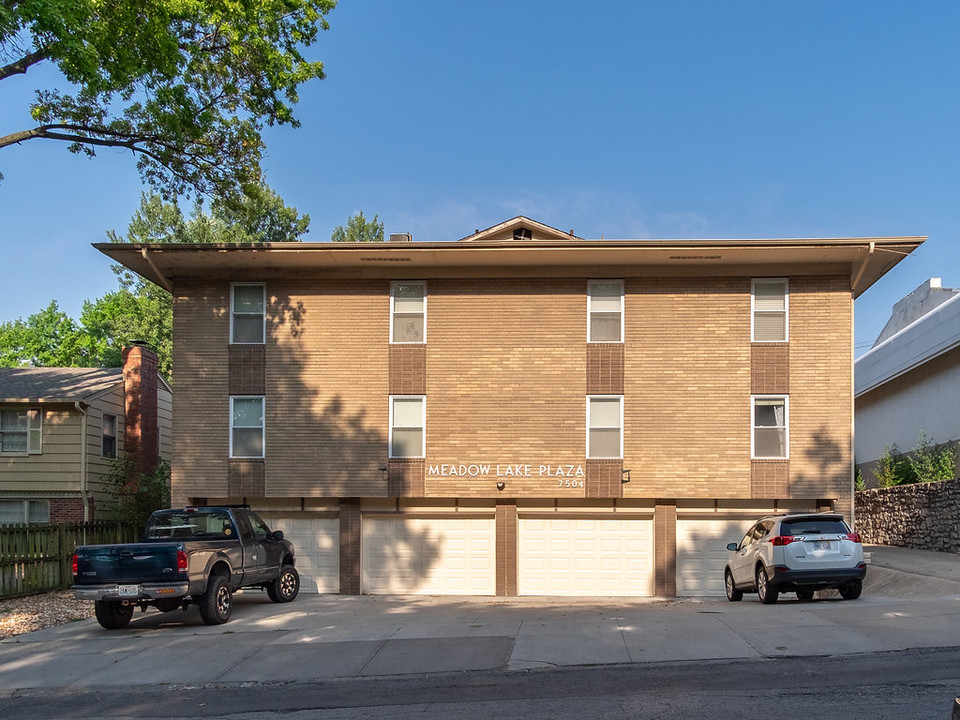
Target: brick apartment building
{"x": 521, "y": 412}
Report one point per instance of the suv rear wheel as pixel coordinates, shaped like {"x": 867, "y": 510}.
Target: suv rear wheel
{"x": 767, "y": 593}
{"x": 852, "y": 590}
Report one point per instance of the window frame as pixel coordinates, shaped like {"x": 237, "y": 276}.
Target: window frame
{"x": 590, "y": 400}
{"x": 597, "y": 281}
{"x": 263, "y": 427}
{"x": 785, "y": 311}
{"x": 754, "y": 427}
{"x": 104, "y": 436}
{"x": 45, "y": 502}
{"x": 422, "y": 426}
{"x": 394, "y": 284}
{"x": 234, "y": 313}
{"x": 34, "y": 432}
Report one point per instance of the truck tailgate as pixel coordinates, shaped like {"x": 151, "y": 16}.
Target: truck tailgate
{"x": 130, "y": 563}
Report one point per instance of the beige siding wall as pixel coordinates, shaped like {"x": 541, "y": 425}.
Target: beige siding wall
{"x": 57, "y": 468}
{"x": 111, "y": 403}
{"x": 165, "y": 422}
{"x": 505, "y": 379}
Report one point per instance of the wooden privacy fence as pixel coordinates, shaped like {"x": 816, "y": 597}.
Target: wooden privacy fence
{"x": 37, "y": 558}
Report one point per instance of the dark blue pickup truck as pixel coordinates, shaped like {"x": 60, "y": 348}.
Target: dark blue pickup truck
{"x": 197, "y": 555}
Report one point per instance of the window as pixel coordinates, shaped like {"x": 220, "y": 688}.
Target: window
{"x": 407, "y": 420}
{"x": 771, "y": 437}
{"x": 770, "y": 310}
{"x": 109, "y": 436}
{"x": 248, "y": 303}
{"x": 604, "y": 426}
{"x": 605, "y": 311}
{"x": 246, "y": 427}
{"x": 408, "y": 312}
{"x": 17, "y": 512}
{"x": 21, "y": 431}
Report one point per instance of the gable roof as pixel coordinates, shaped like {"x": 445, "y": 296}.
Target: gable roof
{"x": 56, "y": 384}
{"x": 506, "y": 232}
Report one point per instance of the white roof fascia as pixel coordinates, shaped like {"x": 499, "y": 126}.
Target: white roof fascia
{"x": 922, "y": 340}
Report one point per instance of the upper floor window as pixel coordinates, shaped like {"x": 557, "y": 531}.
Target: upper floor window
{"x": 771, "y": 427}
{"x": 605, "y": 426}
{"x": 408, "y": 312}
{"x": 407, "y": 422}
{"x": 605, "y": 311}
{"x": 246, "y": 427}
{"x": 248, "y": 313}
{"x": 108, "y": 448}
{"x": 770, "y": 310}
{"x": 21, "y": 431}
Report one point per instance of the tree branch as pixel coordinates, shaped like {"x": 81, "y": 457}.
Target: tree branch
{"x": 19, "y": 67}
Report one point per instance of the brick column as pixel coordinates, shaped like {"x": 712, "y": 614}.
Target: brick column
{"x": 141, "y": 438}
{"x": 665, "y": 548}
{"x": 506, "y": 542}
{"x": 350, "y": 546}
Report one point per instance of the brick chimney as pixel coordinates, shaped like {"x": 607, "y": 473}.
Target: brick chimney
{"x": 141, "y": 431}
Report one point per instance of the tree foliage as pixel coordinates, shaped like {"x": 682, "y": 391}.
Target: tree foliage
{"x": 927, "y": 462}
{"x": 138, "y": 309}
{"x": 358, "y": 229}
{"x": 185, "y": 85}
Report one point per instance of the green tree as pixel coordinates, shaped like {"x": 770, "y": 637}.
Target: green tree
{"x": 930, "y": 463}
{"x": 49, "y": 338}
{"x": 358, "y": 229}
{"x": 186, "y": 86}
{"x": 893, "y": 468}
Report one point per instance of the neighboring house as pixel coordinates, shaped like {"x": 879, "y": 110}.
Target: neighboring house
{"x": 61, "y": 428}
{"x": 910, "y": 380}
{"x": 522, "y": 412}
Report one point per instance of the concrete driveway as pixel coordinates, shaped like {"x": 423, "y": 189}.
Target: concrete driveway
{"x": 911, "y": 600}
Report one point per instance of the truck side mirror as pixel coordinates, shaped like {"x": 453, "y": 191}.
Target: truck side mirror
{"x": 277, "y": 535}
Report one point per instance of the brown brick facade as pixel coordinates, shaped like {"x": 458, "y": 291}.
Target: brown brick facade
{"x": 350, "y": 546}
{"x": 408, "y": 369}
{"x": 605, "y": 368}
{"x": 604, "y": 479}
{"x": 770, "y": 368}
{"x": 247, "y": 369}
{"x": 506, "y": 542}
{"x": 665, "y": 548}
{"x": 68, "y": 510}
{"x": 405, "y": 477}
{"x": 245, "y": 478}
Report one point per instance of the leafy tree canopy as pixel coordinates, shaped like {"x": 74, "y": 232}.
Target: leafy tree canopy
{"x": 358, "y": 229}
{"x": 139, "y": 309}
{"x": 186, "y": 85}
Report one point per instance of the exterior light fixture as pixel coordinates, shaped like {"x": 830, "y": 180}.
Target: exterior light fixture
{"x": 626, "y": 476}
{"x": 501, "y": 485}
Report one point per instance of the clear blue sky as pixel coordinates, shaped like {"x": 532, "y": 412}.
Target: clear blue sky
{"x": 623, "y": 119}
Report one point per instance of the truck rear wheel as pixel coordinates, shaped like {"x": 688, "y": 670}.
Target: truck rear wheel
{"x": 286, "y": 586}
{"x": 112, "y": 615}
{"x": 216, "y": 603}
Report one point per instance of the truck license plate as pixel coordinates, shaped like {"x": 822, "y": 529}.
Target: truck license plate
{"x": 128, "y": 590}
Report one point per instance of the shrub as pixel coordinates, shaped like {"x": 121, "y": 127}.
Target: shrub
{"x": 893, "y": 468}
{"x": 930, "y": 463}
{"x": 136, "y": 495}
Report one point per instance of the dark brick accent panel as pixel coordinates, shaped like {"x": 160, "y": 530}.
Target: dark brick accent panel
{"x": 405, "y": 477}
{"x": 770, "y": 478}
{"x": 408, "y": 369}
{"x": 246, "y": 478}
{"x": 350, "y": 546}
{"x": 604, "y": 479}
{"x": 770, "y": 368}
{"x": 68, "y": 510}
{"x": 248, "y": 369}
{"x": 141, "y": 424}
{"x": 604, "y": 368}
{"x": 665, "y": 548}
{"x": 506, "y": 520}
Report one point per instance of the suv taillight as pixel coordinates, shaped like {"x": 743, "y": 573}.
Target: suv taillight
{"x": 181, "y": 561}
{"x": 783, "y": 540}
{"x": 854, "y": 537}
{"x": 74, "y": 564}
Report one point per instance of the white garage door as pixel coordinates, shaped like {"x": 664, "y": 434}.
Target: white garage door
{"x": 316, "y": 542}
{"x": 583, "y": 557}
{"x": 428, "y": 556}
{"x": 702, "y": 553}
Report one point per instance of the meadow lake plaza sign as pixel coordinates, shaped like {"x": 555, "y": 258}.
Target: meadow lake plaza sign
{"x": 501, "y": 471}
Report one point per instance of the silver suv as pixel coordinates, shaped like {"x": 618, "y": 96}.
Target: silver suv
{"x": 796, "y": 553}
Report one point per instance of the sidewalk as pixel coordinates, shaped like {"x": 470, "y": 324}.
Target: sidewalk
{"x": 322, "y": 637}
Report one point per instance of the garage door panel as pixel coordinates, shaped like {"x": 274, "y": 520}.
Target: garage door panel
{"x": 428, "y": 556}
{"x": 316, "y": 544}
{"x": 702, "y": 553}
{"x": 579, "y": 556}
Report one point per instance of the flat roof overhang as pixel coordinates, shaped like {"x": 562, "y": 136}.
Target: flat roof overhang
{"x": 865, "y": 260}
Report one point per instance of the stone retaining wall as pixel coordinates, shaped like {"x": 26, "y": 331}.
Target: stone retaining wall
{"x": 924, "y": 516}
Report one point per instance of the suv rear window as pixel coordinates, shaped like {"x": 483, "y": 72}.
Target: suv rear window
{"x": 813, "y": 526}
